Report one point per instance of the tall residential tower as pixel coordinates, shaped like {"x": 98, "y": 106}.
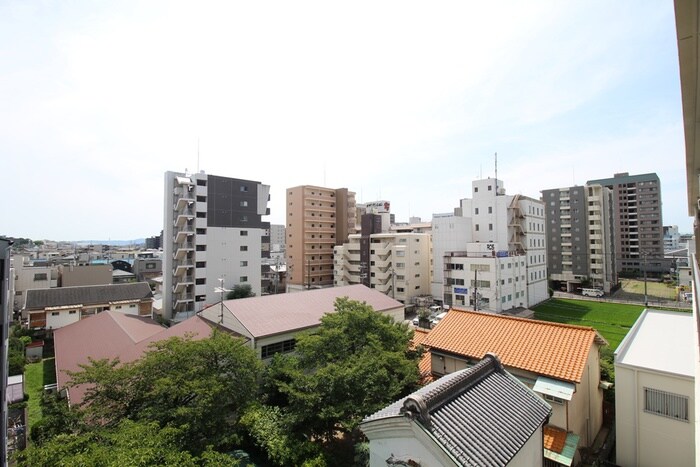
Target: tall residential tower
{"x": 213, "y": 230}
{"x": 318, "y": 219}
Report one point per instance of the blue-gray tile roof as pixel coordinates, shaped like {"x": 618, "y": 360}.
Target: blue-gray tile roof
{"x": 482, "y": 415}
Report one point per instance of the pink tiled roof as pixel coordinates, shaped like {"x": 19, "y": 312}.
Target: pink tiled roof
{"x": 275, "y": 314}
{"x": 112, "y": 335}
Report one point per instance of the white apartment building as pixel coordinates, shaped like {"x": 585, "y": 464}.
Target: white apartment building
{"x": 397, "y": 264}
{"x": 503, "y": 230}
{"x": 213, "y": 230}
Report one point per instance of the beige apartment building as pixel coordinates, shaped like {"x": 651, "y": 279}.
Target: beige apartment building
{"x": 318, "y": 219}
{"x": 396, "y": 264}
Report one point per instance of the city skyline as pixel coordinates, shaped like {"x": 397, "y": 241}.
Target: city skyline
{"x": 393, "y": 101}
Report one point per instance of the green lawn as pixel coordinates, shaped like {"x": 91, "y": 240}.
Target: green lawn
{"x": 37, "y": 375}
{"x": 612, "y": 320}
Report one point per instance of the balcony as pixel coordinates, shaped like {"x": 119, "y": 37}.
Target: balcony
{"x": 180, "y": 287}
{"x": 182, "y": 250}
{"x": 183, "y": 233}
{"x": 184, "y": 218}
{"x": 182, "y": 267}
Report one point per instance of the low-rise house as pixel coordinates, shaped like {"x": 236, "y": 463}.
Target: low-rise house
{"x": 55, "y": 308}
{"x": 271, "y": 322}
{"x": 654, "y": 380}
{"x": 111, "y": 335}
{"x": 480, "y": 416}
{"x": 559, "y": 362}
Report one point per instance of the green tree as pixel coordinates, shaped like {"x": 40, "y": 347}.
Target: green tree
{"x": 197, "y": 386}
{"x": 56, "y": 419}
{"x": 240, "y": 291}
{"x": 354, "y": 364}
{"x": 127, "y": 444}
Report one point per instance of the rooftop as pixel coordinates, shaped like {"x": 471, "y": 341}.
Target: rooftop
{"x": 481, "y": 416}
{"x": 661, "y": 341}
{"x": 87, "y": 295}
{"x": 112, "y": 335}
{"x": 274, "y": 314}
{"x": 556, "y": 350}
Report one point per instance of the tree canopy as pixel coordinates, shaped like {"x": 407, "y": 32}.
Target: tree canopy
{"x": 240, "y": 291}
{"x": 197, "y": 386}
{"x": 354, "y": 364}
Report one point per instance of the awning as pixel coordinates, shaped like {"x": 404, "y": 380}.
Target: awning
{"x": 568, "y": 450}
{"x": 555, "y": 388}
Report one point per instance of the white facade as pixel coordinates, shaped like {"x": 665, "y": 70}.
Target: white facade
{"x": 450, "y": 233}
{"x": 671, "y": 238}
{"x": 399, "y": 264}
{"x": 654, "y": 369}
{"x": 497, "y": 227}
{"x": 203, "y": 243}
{"x": 31, "y": 277}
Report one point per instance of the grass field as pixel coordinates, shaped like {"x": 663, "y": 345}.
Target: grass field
{"x": 612, "y": 320}
{"x": 36, "y": 376}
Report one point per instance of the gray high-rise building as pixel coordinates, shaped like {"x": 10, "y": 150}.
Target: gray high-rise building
{"x": 639, "y": 238}
{"x": 213, "y": 230}
{"x": 580, "y": 237}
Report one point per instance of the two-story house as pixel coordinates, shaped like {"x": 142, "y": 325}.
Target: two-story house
{"x": 557, "y": 361}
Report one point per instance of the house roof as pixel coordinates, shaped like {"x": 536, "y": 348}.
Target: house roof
{"x": 424, "y": 365}
{"x": 275, "y": 314}
{"x": 660, "y": 341}
{"x": 481, "y": 416}
{"x": 86, "y": 295}
{"x": 556, "y": 350}
{"x": 112, "y": 335}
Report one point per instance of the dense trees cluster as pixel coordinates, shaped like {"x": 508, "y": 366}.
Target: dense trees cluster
{"x": 190, "y": 402}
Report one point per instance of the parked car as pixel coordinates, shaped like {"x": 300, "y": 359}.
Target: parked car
{"x": 437, "y": 318}
{"x": 592, "y": 292}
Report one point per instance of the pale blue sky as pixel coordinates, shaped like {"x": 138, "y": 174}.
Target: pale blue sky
{"x": 404, "y": 101}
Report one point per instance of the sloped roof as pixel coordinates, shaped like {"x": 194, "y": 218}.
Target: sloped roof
{"x": 482, "y": 416}
{"x": 556, "y": 350}
{"x": 274, "y": 314}
{"x": 87, "y": 295}
{"x": 424, "y": 365}
{"x": 112, "y": 335}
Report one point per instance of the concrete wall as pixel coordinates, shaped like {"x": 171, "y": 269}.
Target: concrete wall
{"x": 76, "y": 276}
{"x": 646, "y": 439}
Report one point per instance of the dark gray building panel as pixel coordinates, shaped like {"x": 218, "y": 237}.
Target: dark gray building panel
{"x": 233, "y": 202}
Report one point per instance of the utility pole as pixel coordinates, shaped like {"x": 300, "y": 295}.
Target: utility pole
{"x": 646, "y": 301}
{"x": 476, "y": 304}
{"x": 221, "y": 290}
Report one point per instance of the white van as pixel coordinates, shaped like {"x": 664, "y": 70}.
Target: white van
{"x": 592, "y": 292}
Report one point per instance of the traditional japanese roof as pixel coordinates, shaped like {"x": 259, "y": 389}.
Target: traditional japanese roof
{"x": 275, "y": 314}
{"x": 424, "y": 365}
{"x": 113, "y": 335}
{"x": 87, "y": 295}
{"x": 481, "y": 416}
{"x": 556, "y": 350}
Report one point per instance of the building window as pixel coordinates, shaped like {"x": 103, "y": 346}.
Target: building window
{"x": 244, "y": 218}
{"x": 476, "y": 189}
{"x": 201, "y": 248}
{"x": 287, "y": 346}
{"x": 476, "y": 211}
{"x": 244, "y": 247}
{"x": 72, "y": 312}
{"x": 244, "y": 264}
{"x": 243, "y": 279}
{"x": 41, "y": 276}
{"x": 150, "y": 265}
{"x": 553, "y": 399}
{"x": 666, "y": 404}
{"x": 202, "y": 215}
{"x": 201, "y": 264}
{"x": 400, "y": 254}
{"x": 489, "y": 187}
{"x": 200, "y": 281}
{"x": 244, "y": 188}
{"x": 244, "y": 204}
{"x": 490, "y": 210}
{"x": 201, "y": 183}
{"x": 400, "y": 265}
{"x": 244, "y": 233}
{"x": 477, "y": 227}
{"x": 54, "y": 313}
{"x": 490, "y": 226}
{"x": 201, "y": 231}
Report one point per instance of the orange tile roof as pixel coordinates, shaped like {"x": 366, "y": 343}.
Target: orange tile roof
{"x": 556, "y": 350}
{"x": 424, "y": 365}
{"x": 554, "y": 438}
